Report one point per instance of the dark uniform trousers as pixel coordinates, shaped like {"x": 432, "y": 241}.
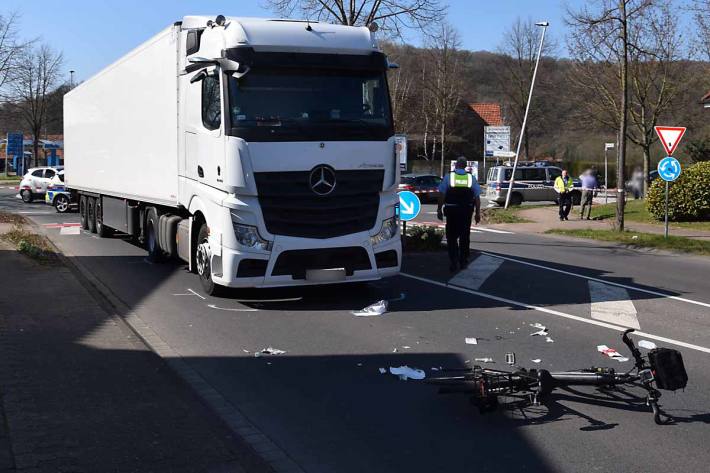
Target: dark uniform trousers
{"x": 458, "y": 232}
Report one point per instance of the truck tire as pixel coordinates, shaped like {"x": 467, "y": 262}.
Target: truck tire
{"x": 202, "y": 263}
{"x": 101, "y": 230}
{"x": 62, "y": 203}
{"x": 91, "y": 214}
{"x": 152, "y": 243}
{"x": 26, "y": 195}
{"x": 83, "y": 212}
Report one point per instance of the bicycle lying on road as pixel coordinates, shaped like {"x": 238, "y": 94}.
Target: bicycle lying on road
{"x": 663, "y": 367}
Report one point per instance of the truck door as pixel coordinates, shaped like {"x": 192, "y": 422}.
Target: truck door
{"x": 204, "y": 140}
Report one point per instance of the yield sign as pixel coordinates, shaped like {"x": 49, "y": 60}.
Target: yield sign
{"x": 670, "y": 137}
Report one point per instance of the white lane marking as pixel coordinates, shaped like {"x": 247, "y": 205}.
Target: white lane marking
{"x": 591, "y": 278}
{"x": 477, "y": 272}
{"x": 70, "y": 231}
{"x": 198, "y": 295}
{"x": 559, "y": 314}
{"x": 286, "y": 299}
{"x": 212, "y": 306}
{"x": 493, "y": 230}
{"x": 26, "y": 212}
{"x": 612, "y": 304}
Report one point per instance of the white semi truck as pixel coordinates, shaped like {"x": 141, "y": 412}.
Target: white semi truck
{"x": 261, "y": 152}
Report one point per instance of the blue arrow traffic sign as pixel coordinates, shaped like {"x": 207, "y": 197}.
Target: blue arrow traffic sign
{"x": 669, "y": 168}
{"x": 409, "y": 206}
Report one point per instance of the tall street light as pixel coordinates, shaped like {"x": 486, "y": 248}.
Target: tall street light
{"x": 71, "y": 79}
{"x": 543, "y": 25}
{"x": 607, "y": 147}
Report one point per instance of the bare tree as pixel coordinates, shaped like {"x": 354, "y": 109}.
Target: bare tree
{"x": 37, "y": 74}
{"x": 393, "y": 16}
{"x": 701, "y": 10}
{"x": 519, "y": 50}
{"x": 600, "y": 38}
{"x": 444, "y": 84}
{"x": 10, "y": 48}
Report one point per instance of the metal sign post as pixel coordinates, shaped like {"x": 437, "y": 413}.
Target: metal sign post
{"x": 669, "y": 170}
{"x": 607, "y": 147}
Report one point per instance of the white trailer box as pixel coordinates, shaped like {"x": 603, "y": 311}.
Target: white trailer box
{"x": 121, "y": 126}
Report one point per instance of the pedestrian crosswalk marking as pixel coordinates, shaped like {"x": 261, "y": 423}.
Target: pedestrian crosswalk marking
{"x": 612, "y": 304}
{"x": 477, "y": 272}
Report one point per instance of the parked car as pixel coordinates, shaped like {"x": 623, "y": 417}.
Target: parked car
{"x": 533, "y": 183}
{"x": 58, "y": 196}
{"x": 425, "y": 186}
{"x": 35, "y": 182}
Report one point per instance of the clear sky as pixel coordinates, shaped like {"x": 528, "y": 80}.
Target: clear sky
{"x": 94, "y": 33}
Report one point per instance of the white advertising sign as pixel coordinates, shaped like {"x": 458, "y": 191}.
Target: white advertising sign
{"x": 496, "y": 138}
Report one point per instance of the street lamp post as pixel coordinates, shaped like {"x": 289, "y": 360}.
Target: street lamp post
{"x": 607, "y": 147}
{"x": 71, "y": 79}
{"x": 543, "y": 25}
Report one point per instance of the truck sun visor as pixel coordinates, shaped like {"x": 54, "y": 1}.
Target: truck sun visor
{"x": 245, "y": 55}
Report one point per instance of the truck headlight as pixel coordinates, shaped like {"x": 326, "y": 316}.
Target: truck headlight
{"x": 249, "y": 237}
{"x": 387, "y": 232}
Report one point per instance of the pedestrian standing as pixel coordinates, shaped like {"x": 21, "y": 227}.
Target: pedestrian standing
{"x": 460, "y": 197}
{"x": 563, "y": 187}
{"x": 589, "y": 186}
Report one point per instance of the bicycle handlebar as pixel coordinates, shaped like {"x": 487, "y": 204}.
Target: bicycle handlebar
{"x": 638, "y": 359}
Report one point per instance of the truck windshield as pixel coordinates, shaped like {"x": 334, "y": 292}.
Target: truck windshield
{"x": 310, "y": 104}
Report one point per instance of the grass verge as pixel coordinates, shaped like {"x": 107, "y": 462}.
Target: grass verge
{"x": 644, "y": 240}
{"x": 635, "y": 211}
{"x": 32, "y": 245}
{"x": 491, "y": 216}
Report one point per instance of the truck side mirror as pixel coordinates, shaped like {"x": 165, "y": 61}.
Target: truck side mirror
{"x": 199, "y": 76}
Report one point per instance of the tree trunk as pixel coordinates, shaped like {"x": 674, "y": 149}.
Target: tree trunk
{"x": 443, "y": 149}
{"x": 35, "y": 149}
{"x": 527, "y": 146}
{"x": 621, "y": 161}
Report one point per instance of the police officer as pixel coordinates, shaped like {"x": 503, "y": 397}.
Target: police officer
{"x": 563, "y": 186}
{"x": 459, "y": 195}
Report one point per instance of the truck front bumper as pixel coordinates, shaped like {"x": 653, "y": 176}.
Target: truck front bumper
{"x": 295, "y": 262}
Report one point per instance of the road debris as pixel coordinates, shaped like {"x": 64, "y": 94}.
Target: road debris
{"x": 269, "y": 351}
{"x": 549, "y": 340}
{"x": 647, "y": 345}
{"x": 611, "y": 353}
{"x": 373, "y": 310}
{"x": 471, "y": 341}
{"x": 484, "y": 360}
{"x": 536, "y": 360}
{"x": 383, "y": 371}
{"x": 510, "y": 358}
{"x": 542, "y": 330}
{"x": 405, "y": 372}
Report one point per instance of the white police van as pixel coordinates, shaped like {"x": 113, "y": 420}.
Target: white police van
{"x": 534, "y": 182}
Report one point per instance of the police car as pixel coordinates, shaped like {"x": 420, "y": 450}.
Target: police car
{"x": 58, "y": 196}
{"x": 534, "y": 182}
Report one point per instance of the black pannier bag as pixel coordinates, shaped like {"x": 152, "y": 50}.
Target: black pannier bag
{"x": 669, "y": 370}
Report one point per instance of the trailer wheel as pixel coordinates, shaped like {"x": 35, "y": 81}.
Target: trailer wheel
{"x": 151, "y": 235}
{"x": 203, "y": 255}
{"x": 83, "y": 212}
{"x": 91, "y": 214}
{"x": 61, "y": 203}
{"x": 102, "y": 230}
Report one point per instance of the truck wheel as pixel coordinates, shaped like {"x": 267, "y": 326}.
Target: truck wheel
{"x": 91, "y": 214}
{"x": 151, "y": 235}
{"x": 26, "y": 195}
{"x": 203, "y": 254}
{"x": 61, "y": 203}
{"x": 101, "y": 230}
{"x": 83, "y": 212}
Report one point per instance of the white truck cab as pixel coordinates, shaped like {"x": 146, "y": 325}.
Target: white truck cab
{"x": 259, "y": 151}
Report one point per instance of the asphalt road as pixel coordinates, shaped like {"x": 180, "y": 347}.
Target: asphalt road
{"x": 325, "y": 403}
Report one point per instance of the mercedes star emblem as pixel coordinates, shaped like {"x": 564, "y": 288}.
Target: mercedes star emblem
{"x": 322, "y": 180}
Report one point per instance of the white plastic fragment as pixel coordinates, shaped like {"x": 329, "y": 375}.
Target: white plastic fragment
{"x": 647, "y": 345}
{"x": 536, "y": 360}
{"x": 373, "y": 310}
{"x": 549, "y": 340}
{"x": 611, "y": 353}
{"x": 383, "y": 371}
{"x": 269, "y": 351}
{"x": 541, "y": 333}
{"x": 484, "y": 360}
{"x": 405, "y": 372}
{"x": 406, "y": 347}
{"x": 471, "y": 341}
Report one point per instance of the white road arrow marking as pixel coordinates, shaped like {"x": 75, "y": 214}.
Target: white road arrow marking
{"x": 612, "y": 304}
{"x": 477, "y": 272}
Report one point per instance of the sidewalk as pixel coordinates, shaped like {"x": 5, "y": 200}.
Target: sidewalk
{"x": 547, "y": 218}
{"x": 80, "y": 392}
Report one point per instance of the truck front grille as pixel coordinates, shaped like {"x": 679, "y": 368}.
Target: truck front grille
{"x": 291, "y": 208}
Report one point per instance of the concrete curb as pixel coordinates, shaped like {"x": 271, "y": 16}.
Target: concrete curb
{"x": 272, "y": 455}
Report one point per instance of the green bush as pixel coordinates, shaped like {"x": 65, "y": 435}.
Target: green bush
{"x": 688, "y": 197}
{"x": 423, "y": 238}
